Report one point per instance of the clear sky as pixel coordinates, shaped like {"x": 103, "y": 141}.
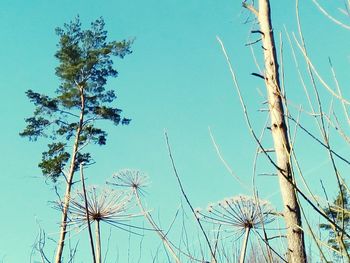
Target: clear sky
{"x": 175, "y": 79}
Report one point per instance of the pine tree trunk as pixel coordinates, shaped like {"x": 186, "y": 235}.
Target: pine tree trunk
{"x": 63, "y": 226}
{"x": 292, "y": 216}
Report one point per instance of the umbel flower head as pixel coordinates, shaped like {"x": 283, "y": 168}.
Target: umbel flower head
{"x": 239, "y": 212}
{"x": 104, "y": 204}
{"x": 130, "y": 178}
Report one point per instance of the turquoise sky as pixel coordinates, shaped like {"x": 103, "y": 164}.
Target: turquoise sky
{"x": 177, "y": 80}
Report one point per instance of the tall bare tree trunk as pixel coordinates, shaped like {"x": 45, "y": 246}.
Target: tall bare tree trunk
{"x": 292, "y": 216}
{"x": 63, "y": 226}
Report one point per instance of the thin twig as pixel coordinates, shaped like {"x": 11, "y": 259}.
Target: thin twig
{"x": 87, "y": 214}
{"x": 186, "y": 198}
{"x": 229, "y": 169}
{"x": 251, "y": 8}
{"x": 324, "y": 11}
{"x": 322, "y": 81}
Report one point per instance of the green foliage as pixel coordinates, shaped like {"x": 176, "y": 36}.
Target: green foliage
{"x": 85, "y": 63}
{"x": 54, "y": 159}
{"x": 339, "y": 212}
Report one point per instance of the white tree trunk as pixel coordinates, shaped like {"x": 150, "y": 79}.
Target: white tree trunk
{"x": 295, "y": 235}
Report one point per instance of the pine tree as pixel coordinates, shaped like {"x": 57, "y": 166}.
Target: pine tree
{"x": 339, "y": 212}
{"x": 69, "y": 119}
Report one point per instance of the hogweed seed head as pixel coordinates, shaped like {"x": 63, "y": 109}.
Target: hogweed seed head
{"x": 210, "y": 207}
{"x": 134, "y": 179}
{"x": 239, "y": 212}
{"x": 197, "y": 212}
{"x": 104, "y": 204}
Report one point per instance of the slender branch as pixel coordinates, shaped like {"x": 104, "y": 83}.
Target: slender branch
{"x": 329, "y": 16}
{"x": 186, "y": 198}
{"x": 162, "y": 236}
{"x": 229, "y": 169}
{"x": 339, "y": 90}
{"x": 87, "y": 214}
{"x": 324, "y": 84}
{"x": 319, "y": 141}
{"x": 251, "y": 9}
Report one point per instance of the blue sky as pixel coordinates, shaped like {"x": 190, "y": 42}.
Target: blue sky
{"x": 176, "y": 79}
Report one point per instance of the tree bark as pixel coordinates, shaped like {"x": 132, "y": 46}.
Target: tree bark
{"x": 63, "y": 226}
{"x": 292, "y": 216}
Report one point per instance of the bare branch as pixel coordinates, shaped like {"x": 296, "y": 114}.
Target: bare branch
{"x": 186, "y": 198}
{"x": 251, "y": 8}
{"x": 329, "y": 16}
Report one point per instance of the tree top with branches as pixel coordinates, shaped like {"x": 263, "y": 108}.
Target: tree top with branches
{"x": 81, "y": 100}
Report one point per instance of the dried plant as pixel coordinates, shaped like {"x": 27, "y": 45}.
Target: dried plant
{"x": 103, "y": 205}
{"x": 136, "y": 180}
{"x": 239, "y": 214}
{"x": 130, "y": 178}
